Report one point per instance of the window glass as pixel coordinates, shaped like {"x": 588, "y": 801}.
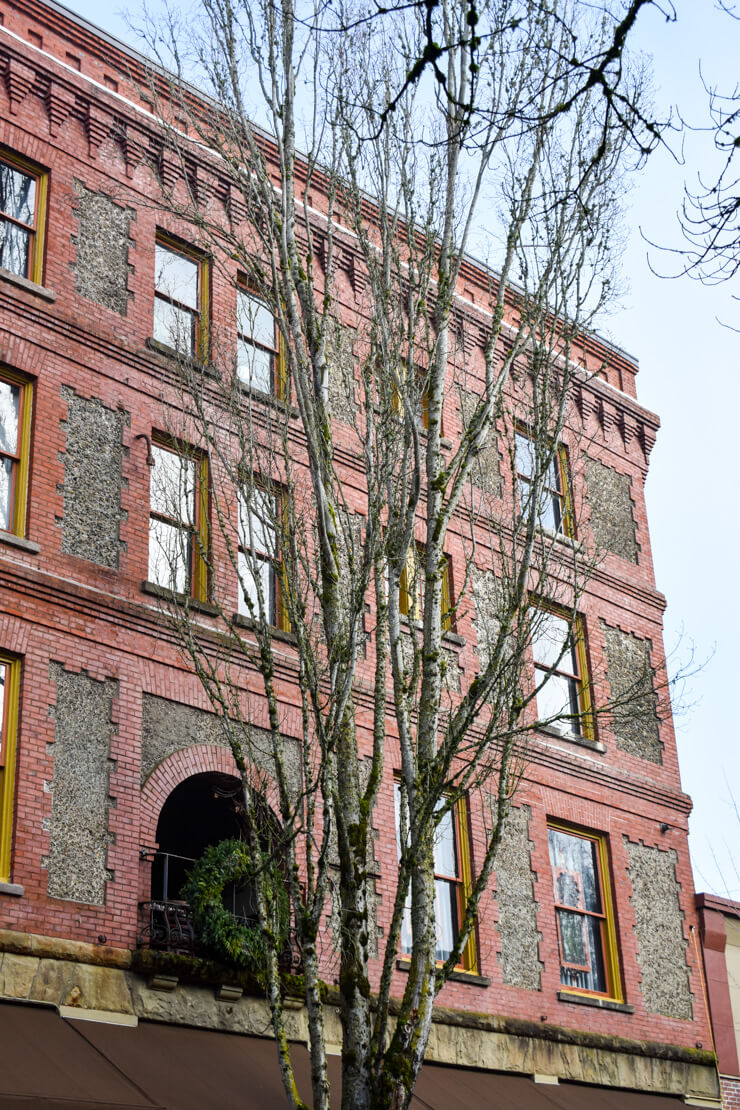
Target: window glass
{"x": 256, "y": 343}
{"x": 559, "y": 692}
{"x": 17, "y": 223}
{"x": 3, "y": 684}
{"x": 10, "y": 456}
{"x": 173, "y": 520}
{"x": 448, "y": 890}
{"x": 257, "y": 554}
{"x": 176, "y": 299}
{"x": 581, "y": 919}
{"x": 176, "y": 276}
{"x": 550, "y": 507}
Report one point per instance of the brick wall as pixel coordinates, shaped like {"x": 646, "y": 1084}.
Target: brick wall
{"x": 77, "y": 611}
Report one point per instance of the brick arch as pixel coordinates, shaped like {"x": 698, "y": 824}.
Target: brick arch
{"x": 173, "y": 770}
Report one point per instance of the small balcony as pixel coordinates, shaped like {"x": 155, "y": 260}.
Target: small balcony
{"x": 166, "y": 921}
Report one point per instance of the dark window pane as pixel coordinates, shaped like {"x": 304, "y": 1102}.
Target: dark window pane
{"x": 445, "y": 895}
{"x": 581, "y": 946}
{"x": 14, "y": 248}
{"x": 575, "y": 856}
{"x": 17, "y": 194}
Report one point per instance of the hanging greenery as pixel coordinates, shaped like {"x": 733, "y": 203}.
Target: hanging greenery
{"x": 241, "y": 942}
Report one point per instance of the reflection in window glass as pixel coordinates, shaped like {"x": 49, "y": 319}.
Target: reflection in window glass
{"x": 17, "y": 219}
{"x": 172, "y": 521}
{"x": 447, "y": 882}
{"x": 257, "y": 349}
{"x": 176, "y": 299}
{"x": 257, "y": 554}
{"x": 550, "y": 507}
{"x": 579, "y": 909}
{"x": 10, "y": 399}
{"x": 558, "y": 693}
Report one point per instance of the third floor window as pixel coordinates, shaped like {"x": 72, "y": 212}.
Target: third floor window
{"x": 179, "y": 298}
{"x": 22, "y": 210}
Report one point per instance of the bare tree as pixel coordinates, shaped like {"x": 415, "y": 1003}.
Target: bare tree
{"x": 337, "y": 488}
{"x": 710, "y": 215}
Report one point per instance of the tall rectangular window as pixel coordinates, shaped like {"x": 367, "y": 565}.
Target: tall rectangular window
{"x": 451, "y": 881}
{"x": 178, "y": 521}
{"x": 411, "y": 590}
{"x": 22, "y": 217}
{"x": 583, "y": 911}
{"x": 259, "y": 558}
{"x": 180, "y": 287}
{"x": 563, "y": 702}
{"x": 258, "y": 353}
{"x": 10, "y": 670}
{"x": 553, "y": 509}
{"x": 15, "y": 431}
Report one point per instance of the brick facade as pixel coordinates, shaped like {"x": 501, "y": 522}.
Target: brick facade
{"x": 75, "y": 613}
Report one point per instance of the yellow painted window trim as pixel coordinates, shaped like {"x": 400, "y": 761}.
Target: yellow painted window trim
{"x": 202, "y": 324}
{"x": 20, "y": 503}
{"x": 38, "y": 239}
{"x": 200, "y": 535}
{"x": 588, "y": 726}
{"x": 611, "y": 949}
{"x": 7, "y": 772}
{"x": 470, "y": 953}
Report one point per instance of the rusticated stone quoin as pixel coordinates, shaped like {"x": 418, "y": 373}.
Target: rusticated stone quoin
{"x": 517, "y": 909}
{"x": 78, "y": 835}
{"x": 93, "y": 480}
{"x": 612, "y": 516}
{"x": 486, "y": 471}
{"x": 102, "y": 240}
{"x": 659, "y": 927}
{"x": 634, "y": 713}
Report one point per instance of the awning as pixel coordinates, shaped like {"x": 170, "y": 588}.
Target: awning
{"x": 46, "y": 1063}
{"x": 57, "y": 1064}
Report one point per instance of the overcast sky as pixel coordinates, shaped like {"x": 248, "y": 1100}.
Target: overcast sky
{"x": 688, "y": 375}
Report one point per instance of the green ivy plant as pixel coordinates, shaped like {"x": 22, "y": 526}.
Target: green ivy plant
{"x": 240, "y": 943}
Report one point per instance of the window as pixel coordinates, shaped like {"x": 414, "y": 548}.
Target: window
{"x": 10, "y": 674}
{"x": 259, "y": 361}
{"x": 583, "y": 912}
{"x": 563, "y": 699}
{"x": 259, "y": 558}
{"x": 410, "y": 591}
{"x": 22, "y": 210}
{"x": 178, "y": 520}
{"x": 180, "y": 293}
{"x": 15, "y": 434}
{"x": 554, "y": 510}
{"x": 421, "y": 379}
{"x": 451, "y": 881}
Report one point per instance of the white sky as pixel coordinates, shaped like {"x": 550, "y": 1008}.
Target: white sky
{"x": 689, "y": 377}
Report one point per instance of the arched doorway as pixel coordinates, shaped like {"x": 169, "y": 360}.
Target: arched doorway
{"x": 204, "y": 809}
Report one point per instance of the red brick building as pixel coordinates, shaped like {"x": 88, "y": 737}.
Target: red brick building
{"x": 104, "y": 722}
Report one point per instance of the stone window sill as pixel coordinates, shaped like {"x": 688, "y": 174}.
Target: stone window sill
{"x": 15, "y": 890}
{"x": 595, "y": 1002}
{"x": 560, "y": 537}
{"x": 18, "y": 541}
{"x": 450, "y": 638}
{"x": 29, "y": 286}
{"x": 240, "y": 621}
{"x": 461, "y": 976}
{"x": 573, "y": 738}
{"x": 164, "y": 594}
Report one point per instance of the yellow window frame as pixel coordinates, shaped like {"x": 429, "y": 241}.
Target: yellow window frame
{"x": 280, "y": 368}
{"x": 200, "y": 534}
{"x": 9, "y": 725}
{"x": 38, "y": 236}
{"x": 611, "y": 948}
{"x": 585, "y": 700}
{"x": 20, "y": 496}
{"x": 202, "y": 323}
{"x": 565, "y": 492}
